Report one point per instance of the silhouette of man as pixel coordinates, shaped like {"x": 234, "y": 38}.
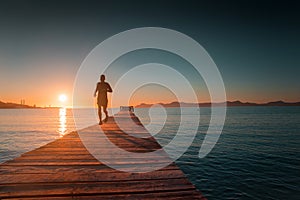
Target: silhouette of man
{"x": 102, "y": 89}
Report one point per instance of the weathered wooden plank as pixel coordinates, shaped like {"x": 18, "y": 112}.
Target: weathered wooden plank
{"x": 6, "y": 169}
{"x": 79, "y": 157}
{"x": 172, "y": 195}
{"x": 78, "y": 188}
{"x": 86, "y": 176}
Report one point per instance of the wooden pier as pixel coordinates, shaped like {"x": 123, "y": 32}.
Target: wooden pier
{"x": 64, "y": 169}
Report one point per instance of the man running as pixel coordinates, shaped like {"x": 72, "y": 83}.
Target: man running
{"x": 102, "y": 89}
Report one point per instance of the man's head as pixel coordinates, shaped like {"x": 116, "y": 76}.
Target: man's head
{"x": 102, "y": 78}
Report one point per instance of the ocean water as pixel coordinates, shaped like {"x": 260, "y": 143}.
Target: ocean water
{"x": 256, "y": 157}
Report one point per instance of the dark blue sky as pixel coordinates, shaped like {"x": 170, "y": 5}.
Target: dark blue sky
{"x": 255, "y": 44}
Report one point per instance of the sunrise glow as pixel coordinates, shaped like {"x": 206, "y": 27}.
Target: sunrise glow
{"x": 62, "y": 98}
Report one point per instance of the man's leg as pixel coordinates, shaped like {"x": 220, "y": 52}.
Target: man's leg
{"x": 100, "y": 115}
{"x": 106, "y": 113}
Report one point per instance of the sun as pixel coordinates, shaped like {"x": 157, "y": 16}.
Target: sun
{"x": 62, "y": 98}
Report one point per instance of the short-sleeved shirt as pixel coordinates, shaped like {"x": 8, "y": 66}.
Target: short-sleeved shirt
{"x": 102, "y": 89}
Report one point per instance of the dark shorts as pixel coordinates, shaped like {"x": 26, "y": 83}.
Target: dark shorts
{"x": 102, "y": 102}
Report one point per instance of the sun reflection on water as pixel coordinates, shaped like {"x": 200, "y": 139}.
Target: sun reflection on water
{"x": 62, "y": 122}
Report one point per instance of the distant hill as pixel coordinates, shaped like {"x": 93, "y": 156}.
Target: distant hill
{"x": 13, "y": 105}
{"x": 229, "y": 103}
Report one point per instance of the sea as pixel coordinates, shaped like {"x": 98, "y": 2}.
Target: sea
{"x": 257, "y": 155}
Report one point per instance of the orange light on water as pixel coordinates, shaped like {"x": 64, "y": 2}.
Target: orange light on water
{"x": 62, "y": 122}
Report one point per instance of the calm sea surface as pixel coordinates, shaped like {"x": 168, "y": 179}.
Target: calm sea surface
{"x": 256, "y": 157}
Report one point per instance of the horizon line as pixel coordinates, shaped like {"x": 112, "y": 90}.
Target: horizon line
{"x": 140, "y": 104}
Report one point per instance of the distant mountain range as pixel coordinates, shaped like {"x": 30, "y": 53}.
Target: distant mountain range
{"x": 4, "y": 105}
{"x": 229, "y": 103}
{"x": 14, "y": 105}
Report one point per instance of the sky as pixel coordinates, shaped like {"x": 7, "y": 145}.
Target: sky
{"x": 255, "y": 45}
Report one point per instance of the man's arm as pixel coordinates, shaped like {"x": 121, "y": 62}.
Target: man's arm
{"x": 109, "y": 88}
{"x": 95, "y": 93}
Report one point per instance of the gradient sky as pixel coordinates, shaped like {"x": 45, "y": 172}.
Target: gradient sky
{"x": 255, "y": 45}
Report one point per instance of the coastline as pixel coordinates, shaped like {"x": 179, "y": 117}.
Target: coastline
{"x": 170, "y": 105}
{"x": 228, "y": 104}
